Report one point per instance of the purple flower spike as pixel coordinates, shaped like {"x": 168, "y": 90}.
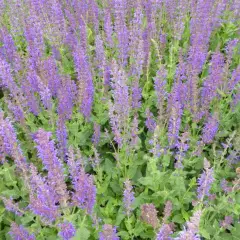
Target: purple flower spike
{"x": 20, "y": 233}
{"x": 11, "y": 206}
{"x": 48, "y": 154}
{"x": 205, "y": 181}
{"x": 84, "y": 195}
{"x": 210, "y": 129}
{"x": 228, "y": 220}
{"x": 150, "y": 122}
{"x": 192, "y": 228}
{"x": 10, "y": 142}
{"x": 67, "y": 230}
{"x": 164, "y": 233}
{"x": 128, "y": 197}
{"x": 96, "y": 134}
{"x": 85, "y": 81}
{"x": 108, "y": 233}
{"x": 43, "y": 199}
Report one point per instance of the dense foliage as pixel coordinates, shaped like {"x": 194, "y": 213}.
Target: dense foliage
{"x": 119, "y": 119}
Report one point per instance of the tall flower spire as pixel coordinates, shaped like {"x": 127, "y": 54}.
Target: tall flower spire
{"x": 48, "y": 154}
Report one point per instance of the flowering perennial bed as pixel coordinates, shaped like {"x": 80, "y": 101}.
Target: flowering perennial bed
{"x": 119, "y": 119}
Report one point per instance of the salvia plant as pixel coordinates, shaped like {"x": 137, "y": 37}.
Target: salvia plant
{"x": 119, "y": 119}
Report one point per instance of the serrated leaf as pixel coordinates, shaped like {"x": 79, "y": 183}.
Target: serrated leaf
{"x": 82, "y": 233}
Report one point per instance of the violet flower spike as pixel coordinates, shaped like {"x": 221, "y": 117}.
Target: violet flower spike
{"x": 205, "y": 181}
{"x": 192, "y": 228}
{"x": 128, "y": 197}
{"x": 210, "y": 129}
{"x": 48, "y": 154}
{"x": 83, "y": 184}
{"x": 164, "y": 232}
{"x": 20, "y": 233}
{"x": 67, "y": 230}
{"x": 11, "y": 206}
{"x": 108, "y": 233}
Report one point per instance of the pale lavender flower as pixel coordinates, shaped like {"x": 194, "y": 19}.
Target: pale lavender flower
{"x": 149, "y": 214}
{"x": 109, "y": 233}
{"x": 83, "y": 32}
{"x": 42, "y": 198}
{"x": 205, "y": 181}
{"x": 182, "y": 146}
{"x": 10, "y": 143}
{"x": 2, "y": 6}
{"x": 167, "y": 211}
{"x": 164, "y": 232}
{"x": 136, "y": 95}
{"x": 210, "y": 129}
{"x": 176, "y": 111}
{"x": 146, "y": 46}
{"x": 57, "y": 32}
{"x": 29, "y": 92}
{"x": 150, "y": 122}
{"x": 20, "y": 233}
{"x": 108, "y": 28}
{"x": 56, "y": 53}
{"x": 120, "y": 108}
{"x": 51, "y": 75}
{"x": 235, "y": 79}
{"x": 93, "y": 15}
{"x": 67, "y": 230}
{"x": 192, "y": 228}
{"x": 128, "y": 197}
{"x": 200, "y": 28}
{"x": 84, "y": 195}
{"x": 225, "y": 187}
{"x": 34, "y": 37}
{"x": 96, "y": 134}
{"x": 17, "y": 14}
{"x": 228, "y": 220}
{"x": 11, "y": 206}
{"x": 96, "y": 158}
{"x": 157, "y": 150}
{"x": 66, "y": 94}
{"x": 100, "y": 54}
{"x": 85, "y": 192}
{"x": 163, "y": 38}
{"x": 134, "y": 131}
{"x": 121, "y": 29}
{"x": 213, "y": 82}
{"x": 231, "y": 45}
{"x": 85, "y": 81}
{"x": 45, "y": 95}
{"x": 48, "y": 154}
{"x": 9, "y": 50}
{"x": 6, "y": 78}
{"x": 16, "y": 109}
{"x": 136, "y": 44}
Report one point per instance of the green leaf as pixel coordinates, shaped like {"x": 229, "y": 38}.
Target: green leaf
{"x": 82, "y": 233}
{"x": 166, "y": 160}
{"x": 132, "y": 171}
{"x": 123, "y": 235}
{"x": 178, "y": 219}
{"x": 185, "y": 214}
{"x": 205, "y": 234}
{"x": 146, "y": 181}
{"x": 120, "y": 217}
